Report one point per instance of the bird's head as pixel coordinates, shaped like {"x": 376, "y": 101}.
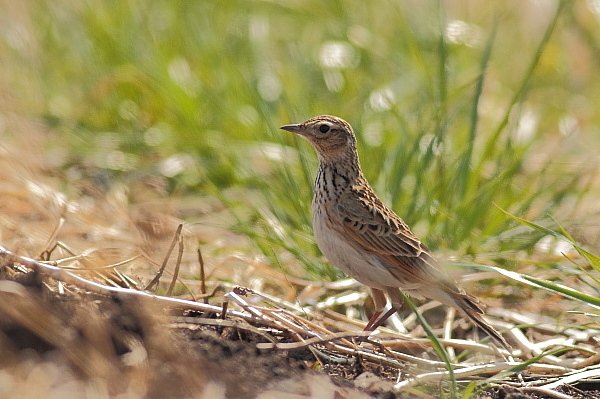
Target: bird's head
{"x": 332, "y": 137}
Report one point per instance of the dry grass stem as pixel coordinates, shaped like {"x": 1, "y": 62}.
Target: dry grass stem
{"x": 156, "y": 279}
{"x": 316, "y": 328}
{"x": 178, "y": 262}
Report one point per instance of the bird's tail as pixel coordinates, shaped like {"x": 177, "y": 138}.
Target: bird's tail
{"x": 473, "y": 309}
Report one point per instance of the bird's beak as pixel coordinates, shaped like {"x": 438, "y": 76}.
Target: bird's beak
{"x": 296, "y": 128}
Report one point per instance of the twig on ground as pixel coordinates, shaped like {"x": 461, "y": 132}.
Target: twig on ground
{"x": 178, "y": 262}
{"x": 547, "y": 392}
{"x": 314, "y": 341}
{"x": 154, "y": 283}
{"x": 118, "y": 292}
{"x": 51, "y": 244}
{"x": 202, "y": 276}
{"x": 492, "y": 368}
{"x": 573, "y": 377}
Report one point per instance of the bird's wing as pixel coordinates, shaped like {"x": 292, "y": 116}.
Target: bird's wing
{"x": 376, "y": 228}
{"x": 373, "y": 227}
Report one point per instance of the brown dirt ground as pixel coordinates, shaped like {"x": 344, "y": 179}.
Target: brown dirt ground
{"x": 110, "y": 347}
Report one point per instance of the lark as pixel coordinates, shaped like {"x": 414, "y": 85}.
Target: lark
{"x": 365, "y": 239}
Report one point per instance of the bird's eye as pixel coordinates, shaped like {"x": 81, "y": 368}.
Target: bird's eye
{"x": 324, "y": 128}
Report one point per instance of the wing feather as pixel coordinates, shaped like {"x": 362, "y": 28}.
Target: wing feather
{"x": 375, "y": 228}
{"x": 379, "y": 230}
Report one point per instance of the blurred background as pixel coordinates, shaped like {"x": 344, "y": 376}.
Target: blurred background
{"x": 171, "y": 110}
{"x": 119, "y": 120}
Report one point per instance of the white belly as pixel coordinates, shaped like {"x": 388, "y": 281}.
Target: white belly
{"x": 364, "y": 267}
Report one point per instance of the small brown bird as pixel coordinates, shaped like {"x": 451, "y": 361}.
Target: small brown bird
{"x": 366, "y": 239}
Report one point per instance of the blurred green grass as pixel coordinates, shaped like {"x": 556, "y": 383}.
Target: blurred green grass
{"x": 458, "y": 105}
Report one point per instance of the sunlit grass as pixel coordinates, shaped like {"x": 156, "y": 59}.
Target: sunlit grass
{"x": 586, "y": 273}
{"x": 452, "y": 108}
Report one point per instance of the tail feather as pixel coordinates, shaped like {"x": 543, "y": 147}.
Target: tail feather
{"x": 452, "y": 295}
{"x": 472, "y": 307}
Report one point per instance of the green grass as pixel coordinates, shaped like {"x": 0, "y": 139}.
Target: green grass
{"x": 452, "y": 105}
{"x": 586, "y": 273}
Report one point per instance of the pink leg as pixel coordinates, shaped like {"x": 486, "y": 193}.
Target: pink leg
{"x": 379, "y": 301}
{"x": 387, "y": 315}
{"x": 396, "y": 299}
{"x": 372, "y": 321}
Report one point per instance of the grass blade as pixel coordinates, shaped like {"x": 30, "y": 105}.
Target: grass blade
{"x": 436, "y": 344}
{"x": 593, "y": 260}
{"x": 554, "y": 287}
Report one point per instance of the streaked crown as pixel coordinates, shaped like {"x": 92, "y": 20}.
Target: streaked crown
{"x": 332, "y": 137}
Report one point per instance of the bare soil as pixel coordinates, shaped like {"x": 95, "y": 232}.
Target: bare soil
{"x": 141, "y": 354}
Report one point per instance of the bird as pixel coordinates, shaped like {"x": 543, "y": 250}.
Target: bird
{"x": 367, "y": 240}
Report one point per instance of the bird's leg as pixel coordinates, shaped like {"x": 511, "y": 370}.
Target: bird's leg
{"x": 373, "y": 326}
{"x": 395, "y": 298}
{"x": 379, "y": 301}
